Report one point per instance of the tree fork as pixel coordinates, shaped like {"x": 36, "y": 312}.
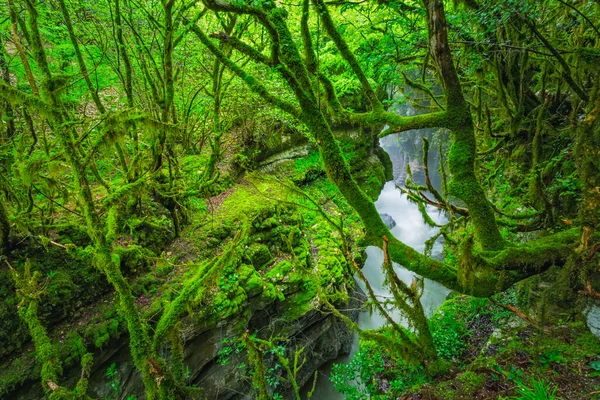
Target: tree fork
{"x": 495, "y": 268}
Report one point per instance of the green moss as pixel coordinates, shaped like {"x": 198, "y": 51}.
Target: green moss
{"x": 299, "y": 239}
{"x": 449, "y": 328}
{"x": 279, "y": 271}
{"x": 307, "y": 169}
{"x": 73, "y": 348}
{"x": 253, "y": 283}
{"x": 17, "y": 371}
{"x": 587, "y": 342}
{"x": 445, "y": 390}
{"x": 471, "y": 382}
{"x": 163, "y": 268}
{"x": 300, "y": 303}
{"x": 100, "y": 333}
{"x": 146, "y": 284}
{"x": 258, "y": 254}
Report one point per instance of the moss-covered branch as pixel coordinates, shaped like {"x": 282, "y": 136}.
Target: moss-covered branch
{"x": 205, "y": 273}
{"x": 29, "y": 293}
{"x": 312, "y": 62}
{"x": 566, "y": 70}
{"x": 419, "y": 86}
{"x": 247, "y": 9}
{"x": 347, "y": 54}
{"x": 243, "y": 48}
{"x": 82, "y": 67}
{"x": 399, "y": 123}
{"x": 251, "y": 81}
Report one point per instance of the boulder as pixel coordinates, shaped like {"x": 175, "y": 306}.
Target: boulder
{"x": 388, "y": 220}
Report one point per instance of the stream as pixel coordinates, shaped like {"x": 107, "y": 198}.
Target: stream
{"x": 409, "y": 228}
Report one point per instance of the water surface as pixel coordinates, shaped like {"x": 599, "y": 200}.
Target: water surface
{"x": 410, "y": 229}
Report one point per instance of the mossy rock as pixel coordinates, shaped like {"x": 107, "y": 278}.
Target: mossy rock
{"x": 258, "y": 254}
{"x": 60, "y": 291}
{"x": 471, "y": 382}
{"x": 154, "y": 233}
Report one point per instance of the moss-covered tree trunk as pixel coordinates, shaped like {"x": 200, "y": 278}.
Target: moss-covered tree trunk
{"x": 8, "y": 116}
{"x": 165, "y": 102}
{"x": 7, "y": 135}
{"x": 122, "y": 49}
{"x": 218, "y": 93}
{"x": 57, "y": 119}
{"x": 461, "y": 160}
{"x": 4, "y": 228}
{"x": 588, "y": 150}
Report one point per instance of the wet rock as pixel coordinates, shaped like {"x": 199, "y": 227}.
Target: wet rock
{"x": 593, "y": 319}
{"x": 289, "y": 155}
{"x": 388, "y": 220}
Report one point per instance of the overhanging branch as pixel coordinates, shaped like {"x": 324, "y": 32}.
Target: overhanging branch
{"x": 398, "y": 123}
{"x": 250, "y": 80}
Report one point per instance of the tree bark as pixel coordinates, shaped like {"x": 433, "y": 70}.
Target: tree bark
{"x": 4, "y": 229}
{"x": 461, "y": 159}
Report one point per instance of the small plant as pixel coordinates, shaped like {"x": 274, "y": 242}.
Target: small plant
{"x": 539, "y": 391}
{"x": 552, "y": 356}
{"x": 114, "y": 382}
{"x": 513, "y": 374}
{"x": 229, "y": 346}
{"x": 228, "y": 283}
{"x": 448, "y": 331}
{"x": 272, "y": 376}
{"x": 356, "y": 379}
{"x": 225, "y": 352}
{"x": 278, "y": 350}
{"x": 111, "y": 371}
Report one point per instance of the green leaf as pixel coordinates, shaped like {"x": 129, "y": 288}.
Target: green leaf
{"x": 595, "y": 365}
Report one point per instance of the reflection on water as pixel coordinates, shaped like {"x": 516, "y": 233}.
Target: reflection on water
{"x": 411, "y": 230}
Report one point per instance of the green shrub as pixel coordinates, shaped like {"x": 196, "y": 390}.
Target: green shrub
{"x": 449, "y": 329}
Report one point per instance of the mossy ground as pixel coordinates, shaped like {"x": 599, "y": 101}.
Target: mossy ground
{"x": 487, "y": 353}
{"x": 289, "y": 253}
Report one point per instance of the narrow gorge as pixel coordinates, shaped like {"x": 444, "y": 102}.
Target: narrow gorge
{"x": 235, "y": 199}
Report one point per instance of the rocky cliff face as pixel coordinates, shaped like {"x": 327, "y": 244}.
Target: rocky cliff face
{"x": 322, "y": 336}
{"x": 269, "y": 288}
